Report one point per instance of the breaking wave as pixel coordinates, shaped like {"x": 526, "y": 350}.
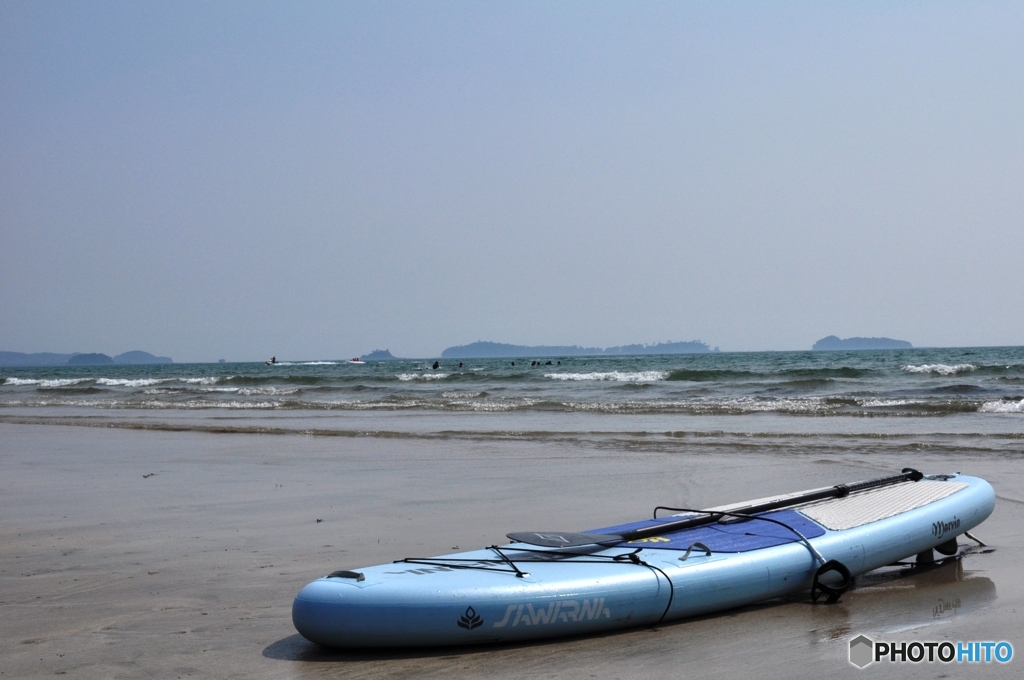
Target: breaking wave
{"x": 941, "y": 369}
{"x": 885, "y": 403}
{"x": 304, "y": 363}
{"x": 1003, "y": 406}
{"x": 616, "y": 376}
{"x": 57, "y": 382}
{"x": 126, "y": 382}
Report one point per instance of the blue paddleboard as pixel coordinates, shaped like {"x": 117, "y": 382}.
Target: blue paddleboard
{"x": 523, "y": 591}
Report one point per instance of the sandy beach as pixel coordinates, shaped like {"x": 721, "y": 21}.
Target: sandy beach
{"x": 130, "y": 554}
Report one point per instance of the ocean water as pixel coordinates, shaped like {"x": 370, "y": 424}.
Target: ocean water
{"x": 894, "y": 383}
{"x": 886, "y": 393}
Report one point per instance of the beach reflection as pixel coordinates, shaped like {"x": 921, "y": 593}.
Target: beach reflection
{"x": 895, "y": 599}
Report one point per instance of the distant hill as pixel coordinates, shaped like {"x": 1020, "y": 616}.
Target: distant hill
{"x": 139, "y": 357}
{"x": 494, "y": 350}
{"x": 833, "y": 343}
{"x": 90, "y": 359}
{"x": 691, "y": 347}
{"x": 16, "y": 359}
{"x": 380, "y": 355}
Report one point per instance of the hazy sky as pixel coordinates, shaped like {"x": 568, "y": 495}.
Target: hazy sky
{"x": 236, "y": 180}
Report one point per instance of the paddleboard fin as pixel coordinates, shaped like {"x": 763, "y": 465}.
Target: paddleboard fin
{"x": 976, "y": 540}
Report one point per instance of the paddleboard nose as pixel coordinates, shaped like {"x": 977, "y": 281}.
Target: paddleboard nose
{"x": 317, "y": 612}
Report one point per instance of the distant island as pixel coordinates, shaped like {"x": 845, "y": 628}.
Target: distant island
{"x": 833, "y": 343}
{"x": 496, "y": 350}
{"x": 91, "y": 359}
{"x": 17, "y": 359}
{"x": 380, "y": 355}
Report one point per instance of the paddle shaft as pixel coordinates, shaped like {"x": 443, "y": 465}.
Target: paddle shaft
{"x": 838, "y": 491}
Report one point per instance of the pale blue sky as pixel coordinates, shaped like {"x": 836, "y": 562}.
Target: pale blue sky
{"x": 208, "y": 180}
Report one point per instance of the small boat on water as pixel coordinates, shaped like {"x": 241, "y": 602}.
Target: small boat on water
{"x": 356, "y": 360}
{"x": 271, "y": 361}
{"x": 553, "y": 583}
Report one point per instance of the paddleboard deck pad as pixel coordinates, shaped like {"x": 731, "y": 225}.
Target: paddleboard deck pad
{"x": 520, "y": 591}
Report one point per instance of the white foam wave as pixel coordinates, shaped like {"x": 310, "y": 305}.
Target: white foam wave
{"x": 127, "y": 382}
{"x": 941, "y": 369}
{"x": 754, "y": 405}
{"x": 874, "y": 403}
{"x": 201, "y": 404}
{"x": 249, "y": 391}
{"x": 56, "y": 382}
{"x": 244, "y": 391}
{"x": 62, "y": 382}
{"x": 491, "y": 406}
{"x": 741, "y": 405}
{"x": 1002, "y": 407}
{"x": 61, "y": 402}
{"x": 406, "y": 377}
{"x": 304, "y": 363}
{"x": 202, "y": 381}
{"x": 483, "y": 405}
{"x": 617, "y": 376}
{"x": 117, "y": 404}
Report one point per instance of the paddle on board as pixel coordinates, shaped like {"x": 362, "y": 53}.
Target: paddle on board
{"x": 562, "y": 539}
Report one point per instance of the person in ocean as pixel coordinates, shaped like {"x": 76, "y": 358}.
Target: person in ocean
{"x": 436, "y": 364}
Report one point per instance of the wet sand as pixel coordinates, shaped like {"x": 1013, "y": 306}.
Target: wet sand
{"x": 177, "y": 554}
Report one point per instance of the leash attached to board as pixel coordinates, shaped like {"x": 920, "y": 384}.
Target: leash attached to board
{"x": 832, "y": 592}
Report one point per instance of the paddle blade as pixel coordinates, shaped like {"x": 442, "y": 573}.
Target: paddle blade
{"x": 558, "y": 539}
